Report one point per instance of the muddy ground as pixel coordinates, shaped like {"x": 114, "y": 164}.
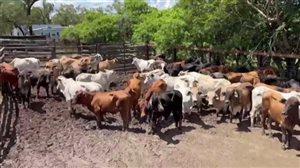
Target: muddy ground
{"x": 48, "y": 137}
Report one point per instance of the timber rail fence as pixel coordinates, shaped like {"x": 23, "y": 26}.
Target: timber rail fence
{"x": 44, "y": 49}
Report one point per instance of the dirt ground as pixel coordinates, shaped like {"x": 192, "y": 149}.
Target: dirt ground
{"x": 48, "y": 137}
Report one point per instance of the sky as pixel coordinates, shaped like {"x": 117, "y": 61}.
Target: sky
{"x": 160, "y": 4}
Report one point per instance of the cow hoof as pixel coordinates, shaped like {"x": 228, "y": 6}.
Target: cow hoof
{"x": 283, "y": 147}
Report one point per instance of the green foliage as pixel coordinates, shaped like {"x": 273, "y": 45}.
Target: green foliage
{"x": 67, "y": 15}
{"x": 96, "y": 27}
{"x": 11, "y": 15}
{"x": 167, "y": 29}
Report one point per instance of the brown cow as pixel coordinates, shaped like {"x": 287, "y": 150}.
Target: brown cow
{"x": 291, "y": 118}
{"x": 214, "y": 68}
{"x": 9, "y": 74}
{"x": 51, "y": 64}
{"x": 274, "y": 109}
{"x": 158, "y": 87}
{"x": 251, "y": 77}
{"x": 79, "y": 64}
{"x": 238, "y": 100}
{"x": 107, "y": 64}
{"x": 234, "y": 77}
{"x": 279, "y": 89}
{"x": 135, "y": 86}
{"x": 102, "y": 102}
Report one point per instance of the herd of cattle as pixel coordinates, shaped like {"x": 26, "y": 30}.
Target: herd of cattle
{"x": 178, "y": 88}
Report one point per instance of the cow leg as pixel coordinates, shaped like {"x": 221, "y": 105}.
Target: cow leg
{"x": 71, "y": 109}
{"x": 241, "y": 116}
{"x": 269, "y": 127}
{"x": 28, "y": 100}
{"x": 231, "y": 116}
{"x": 47, "y": 91}
{"x": 152, "y": 126}
{"x": 263, "y": 123}
{"x": 284, "y": 138}
{"x": 178, "y": 120}
{"x": 99, "y": 119}
{"x": 289, "y": 137}
{"x": 37, "y": 91}
{"x": 125, "y": 119}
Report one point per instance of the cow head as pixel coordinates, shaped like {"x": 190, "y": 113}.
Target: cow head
{"x": 134, "y": 60}
{"x": 60, "y": 83}
{"x": 98, "y": 57}
{"x": 152, "y": 76}
{"x": 24, "y": 78}
{"x": 291, "y": 109}
{"x": 196, "y": 96}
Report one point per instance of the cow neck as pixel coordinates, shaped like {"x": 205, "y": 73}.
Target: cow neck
{"x": 85, "y": 99}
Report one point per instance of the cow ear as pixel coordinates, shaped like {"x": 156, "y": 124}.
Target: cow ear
{"x": 283, "y": 100}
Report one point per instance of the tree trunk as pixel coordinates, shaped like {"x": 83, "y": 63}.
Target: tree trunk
{"x": 20, "y": 28}
{"x": 30, "y": 24}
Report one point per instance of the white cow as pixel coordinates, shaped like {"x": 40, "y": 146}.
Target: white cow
{"x": 91, "y": 86}
{"x": 68, "y": 87}
{"x": 257, "y": 94}
{"x": 143, "y": 65}
{"x": 28, "y": 64}
{"x": 103, "y": 78}
{"x": 189, "y": 96}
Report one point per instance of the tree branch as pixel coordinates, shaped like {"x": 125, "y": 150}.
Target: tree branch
{"x": 269, "y": 19}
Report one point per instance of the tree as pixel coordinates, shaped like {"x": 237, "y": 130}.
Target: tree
{"x": 67, "y": 15}
{"x": 282, "y": 19}
{"x": 96, "y": 27}
{"x": 42, "y": 15}
{"x": 167, "y": 29}
{"x": 12, "y": 16}
{"x": 130, "y": 12}
{"x": 28, "y": 5}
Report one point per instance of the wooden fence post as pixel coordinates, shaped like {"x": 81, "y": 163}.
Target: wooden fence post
{"x": 174, "y": 54}
{"x": 53, "y": 51}
{"x": 147, "y": 49}
{"x": 124, "y": 50}
{"x": 79, "y": 47}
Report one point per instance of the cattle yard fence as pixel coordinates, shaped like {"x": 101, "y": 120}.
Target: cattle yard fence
{"x": 44, "y": 49}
